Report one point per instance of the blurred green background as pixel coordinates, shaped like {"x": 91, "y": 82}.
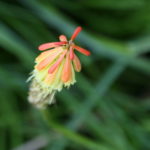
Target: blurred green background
{"x": 109, "y": 106}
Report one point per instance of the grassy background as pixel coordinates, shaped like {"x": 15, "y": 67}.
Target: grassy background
{"x": 109, "y": 107}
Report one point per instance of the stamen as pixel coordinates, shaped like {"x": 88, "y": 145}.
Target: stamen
{"x": 51, "y": 45}
{"x": 63, "y": 38}
{"x": 76, "y": 32}
{"x": 82, "y": 50}
{"x": 54, "y": 66}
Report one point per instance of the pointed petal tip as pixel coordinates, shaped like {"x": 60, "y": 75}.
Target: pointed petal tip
{"x": 41, "y": 47}
{"x": 79, "y": 28}
{"x": 88, "y": 53}
{"x": 76, "y": 32}
{"x": 63, "y": 38}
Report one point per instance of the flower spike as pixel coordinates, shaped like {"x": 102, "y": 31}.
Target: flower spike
{"x": 55, "y": 68}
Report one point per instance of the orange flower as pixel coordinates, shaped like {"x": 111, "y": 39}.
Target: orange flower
{"x": 55, "y": 68}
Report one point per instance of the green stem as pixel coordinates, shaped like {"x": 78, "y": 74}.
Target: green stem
{"x": 70, "y": 134}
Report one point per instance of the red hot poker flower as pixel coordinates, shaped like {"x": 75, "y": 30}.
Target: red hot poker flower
{"x": 55, "y": 68}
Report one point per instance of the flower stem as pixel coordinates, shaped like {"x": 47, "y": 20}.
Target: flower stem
{"x": 71, "y": 134}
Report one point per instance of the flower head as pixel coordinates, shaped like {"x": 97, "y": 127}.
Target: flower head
{"x": 55, "y": 68}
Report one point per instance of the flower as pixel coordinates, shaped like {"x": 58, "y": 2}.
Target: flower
{"x": 55, "y": 68}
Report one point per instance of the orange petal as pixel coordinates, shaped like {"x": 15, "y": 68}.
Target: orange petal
{"x": 45, "y": 54}
{"x": 77, "y": 64}
{"x": 76, "y": 32}
{"x": 48, "y": 60}
{"x": 67, "y": 72}
{"x": 62, "y": 38}
{"x": 82, "y": 50}
{"x": 71, "y": 53}
{"x": 50, "y": 45}
{"x": 56, "y": 64}
{"x": 51, "y": 77}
